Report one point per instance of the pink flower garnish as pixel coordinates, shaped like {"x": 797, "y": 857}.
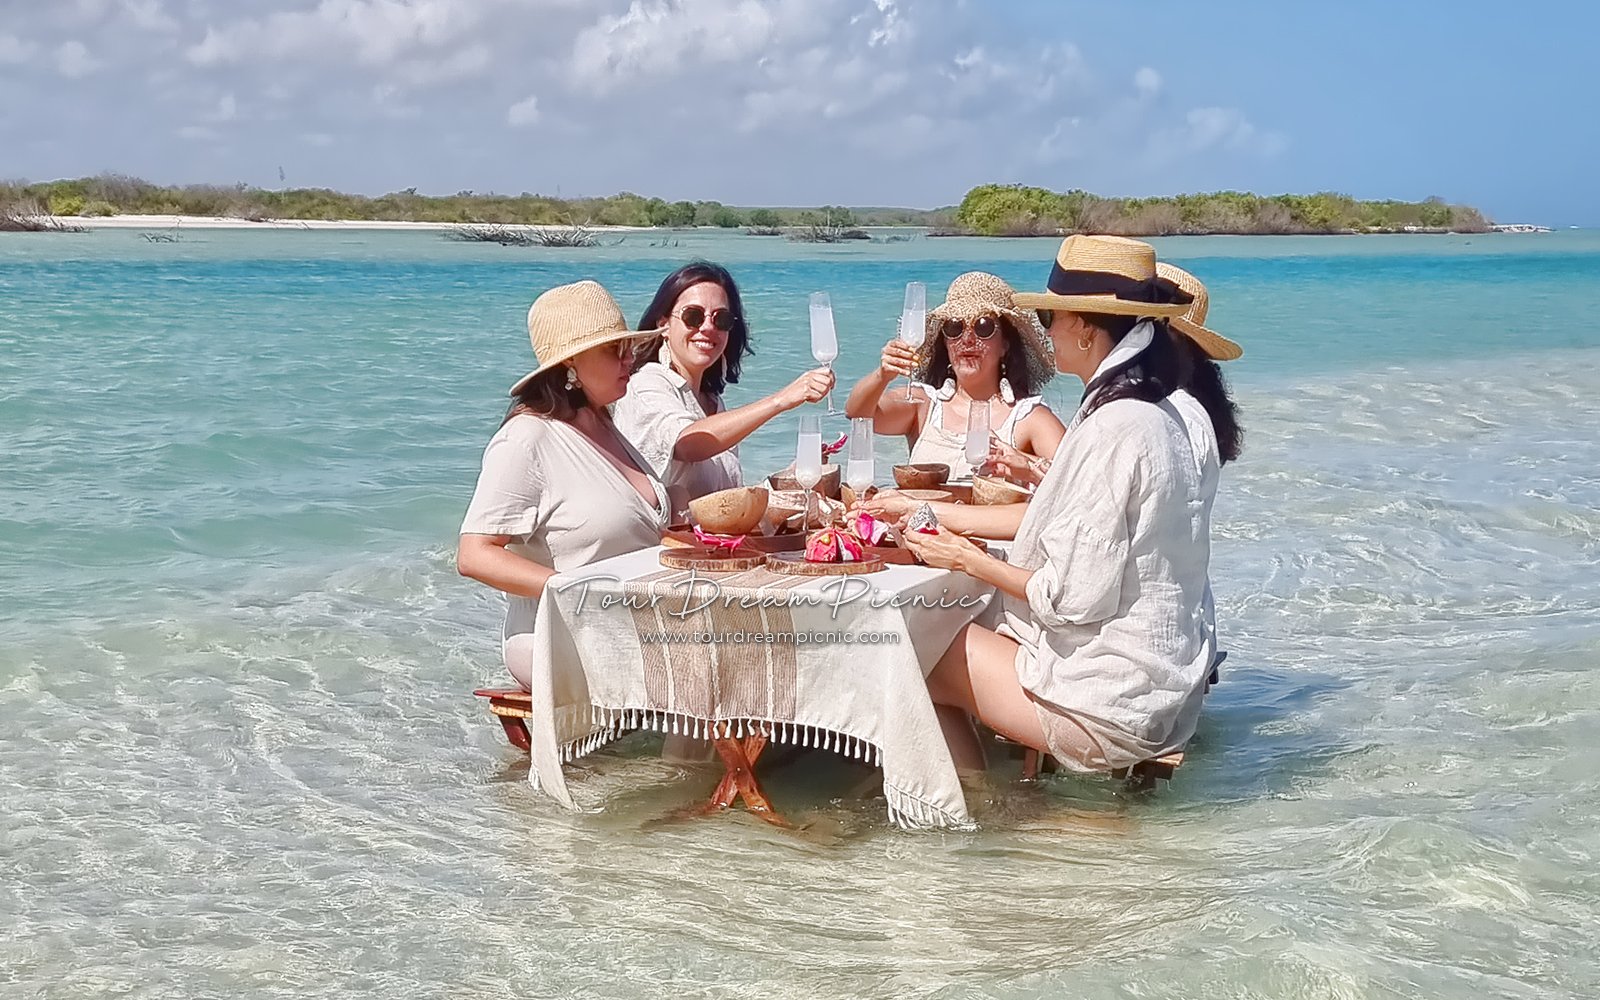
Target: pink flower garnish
{"x": 836, "y": 447}
{"x": 710, "y": 541}
{"x": 869, "y": 529}
{"x": 823, "y": 546}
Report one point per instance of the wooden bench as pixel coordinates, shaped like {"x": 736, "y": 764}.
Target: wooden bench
{"x": 1146, "y": 772}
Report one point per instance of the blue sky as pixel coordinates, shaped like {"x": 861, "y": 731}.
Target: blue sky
{"x": 904, "y": 102}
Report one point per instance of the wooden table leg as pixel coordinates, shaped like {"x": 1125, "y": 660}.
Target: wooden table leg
{"x": 739, "y": 759}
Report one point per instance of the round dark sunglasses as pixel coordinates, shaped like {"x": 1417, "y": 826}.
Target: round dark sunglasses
{"x": 693, "y": 316}
{"x": 983, "y": 328}
{"x": 1046, "y": 317}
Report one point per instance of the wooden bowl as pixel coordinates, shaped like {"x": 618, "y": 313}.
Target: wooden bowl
{"x": 992, "y": 491}
{"x": 926, "y": 496}
{"x": 730, "y": 512}
{"x": 832, "y": 476}
{"x": 851, "y": 498}
{"x": 921, "y": 476}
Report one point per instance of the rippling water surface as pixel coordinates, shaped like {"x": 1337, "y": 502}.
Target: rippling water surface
{"x": 239, "y": 758}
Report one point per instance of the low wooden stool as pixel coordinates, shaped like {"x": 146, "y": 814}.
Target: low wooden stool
{"x": 511, "y": 706}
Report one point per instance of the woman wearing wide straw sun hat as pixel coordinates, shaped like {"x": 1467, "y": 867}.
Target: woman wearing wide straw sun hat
{"x": 559, "y": 487}
{"x": 979, "y": 350}
{"x": 1103, "y": 654}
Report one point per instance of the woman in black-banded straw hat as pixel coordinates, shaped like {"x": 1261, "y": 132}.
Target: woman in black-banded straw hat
{"x": 559, "y": 487}
{"x": 1103, "y": 654}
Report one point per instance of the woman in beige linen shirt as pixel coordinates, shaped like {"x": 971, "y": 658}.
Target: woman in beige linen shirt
{"x": 1103, "y": 654}
{"x": 673, "y": 411}
{"x": 560, "y": 487}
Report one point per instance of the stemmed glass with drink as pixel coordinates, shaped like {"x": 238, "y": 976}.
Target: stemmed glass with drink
{"x": 914, "y": 324}
{"x": 808, "y": 459}
{"x": 858, "y": 470}
{"x": 977, "y": 446}
{"x": 824, "y": 339}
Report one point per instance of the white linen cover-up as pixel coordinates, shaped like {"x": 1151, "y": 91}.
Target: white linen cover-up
{"x": 565, "y": 504}
{"x": 659, "y": 405}
{"x": 1113, "y": 632}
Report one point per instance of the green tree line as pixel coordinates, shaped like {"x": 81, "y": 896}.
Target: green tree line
{"x": 113, "y": 194}
{"x": 988, "y": 210}
{"x": 1015, "y": 210}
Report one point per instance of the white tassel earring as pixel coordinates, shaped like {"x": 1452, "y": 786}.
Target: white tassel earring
{"x": 947, "y": 392}
{"x": 1007, "y": 395}
{"x": 572, "y": 379}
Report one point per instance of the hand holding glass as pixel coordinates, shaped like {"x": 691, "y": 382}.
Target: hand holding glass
{"x": 914, "y": 322}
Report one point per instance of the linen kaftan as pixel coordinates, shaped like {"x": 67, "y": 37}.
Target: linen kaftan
{"x": 566, "y": 504}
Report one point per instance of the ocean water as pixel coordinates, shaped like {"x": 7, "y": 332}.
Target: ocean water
{"x": 239, "y": 756}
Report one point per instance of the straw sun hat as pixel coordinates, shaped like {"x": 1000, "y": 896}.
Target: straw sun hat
{"x": 568, "y": 320}
{"x": 978, "y": 293}
{"x": 1109, "y": 275}
{"x": 1192, "y": 323}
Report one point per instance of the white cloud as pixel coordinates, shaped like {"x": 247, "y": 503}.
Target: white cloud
{"x": 73, "y": 60}
{"x": 15, "y": 51}
{"x": 1147, "y": 82}
{"x": 809, "y": 100}
{"x": 524, "y": 112}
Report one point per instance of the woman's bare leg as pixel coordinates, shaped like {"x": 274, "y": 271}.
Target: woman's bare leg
{"x": 978, "y": 675}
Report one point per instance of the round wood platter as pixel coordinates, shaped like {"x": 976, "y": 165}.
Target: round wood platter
{"x": 794, "y": 564}
{"x": 712, "y": 562}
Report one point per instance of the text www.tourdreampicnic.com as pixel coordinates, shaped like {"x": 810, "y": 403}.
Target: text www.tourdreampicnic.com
{"x": 772, "y": 638}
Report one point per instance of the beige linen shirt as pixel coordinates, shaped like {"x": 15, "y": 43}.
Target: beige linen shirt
{"x": 566, "y": 505}
{"x": 1114, "y": 629}
{"x": 659, "y": 406}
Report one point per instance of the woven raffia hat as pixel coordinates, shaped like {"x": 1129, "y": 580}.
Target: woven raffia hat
{"x": 1192, "y": 323}
{"x": 976, "y": 294}
{"x": 569, "y": 319}
{"x": 1107, "y": 274}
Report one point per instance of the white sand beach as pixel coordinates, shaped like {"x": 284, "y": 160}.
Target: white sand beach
{"x": 225, "y": 222}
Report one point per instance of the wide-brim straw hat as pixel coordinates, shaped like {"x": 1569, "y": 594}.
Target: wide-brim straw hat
{"x": 1192, "y": 323}
{"x": 1107, "y": 274}
{"x": 978, "y": 293}
{"x": 570, "y": 319}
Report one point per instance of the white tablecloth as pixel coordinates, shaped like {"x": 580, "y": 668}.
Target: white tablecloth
{"x": 600, "y": 669}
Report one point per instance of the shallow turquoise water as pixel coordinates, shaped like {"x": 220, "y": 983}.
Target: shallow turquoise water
{"x": 234, "y": 654}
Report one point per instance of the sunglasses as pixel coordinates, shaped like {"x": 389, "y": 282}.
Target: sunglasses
{"x": 983, "y": 328}
{"x": 1046, "y": 317}
{"x": 694, "y": 316}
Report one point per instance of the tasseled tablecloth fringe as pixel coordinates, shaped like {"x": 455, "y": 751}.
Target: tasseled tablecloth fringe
{"x": 610, "y": 724}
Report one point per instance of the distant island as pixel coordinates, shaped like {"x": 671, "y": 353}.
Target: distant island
{"x": 987, "y": 210}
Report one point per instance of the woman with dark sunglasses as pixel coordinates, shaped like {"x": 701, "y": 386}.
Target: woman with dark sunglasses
{"x": 674, "y": 412}
{"x": 979, "y": 348}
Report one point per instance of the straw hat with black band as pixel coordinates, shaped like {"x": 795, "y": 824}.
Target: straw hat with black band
{"x": 1107, "y": 275}
{"x": 570, "y": 319}
{"x": 1192, "y": 323}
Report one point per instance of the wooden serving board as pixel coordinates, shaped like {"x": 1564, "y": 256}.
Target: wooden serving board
{"x": 794, "y": 564}
{"x": 709, "y": 561}
{"x": 680, "y": 537}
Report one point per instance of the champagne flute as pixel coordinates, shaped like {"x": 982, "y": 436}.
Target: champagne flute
{"x": 859, "y": 470}
{"x": 808, "y": 459}
{"x": 824, "y": 340}
{"x": 977, "y": 433}
{"x": 914, "y": 323}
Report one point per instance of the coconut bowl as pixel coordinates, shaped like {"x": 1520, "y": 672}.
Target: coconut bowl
{"x": 921, "y": 476}
{"x": 730, "y": 512}
{"x": 993, "y": 491}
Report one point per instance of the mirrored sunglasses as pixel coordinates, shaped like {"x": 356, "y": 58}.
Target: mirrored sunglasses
{"x": 983, "y": 328}
{"x": 694, "y": 316}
